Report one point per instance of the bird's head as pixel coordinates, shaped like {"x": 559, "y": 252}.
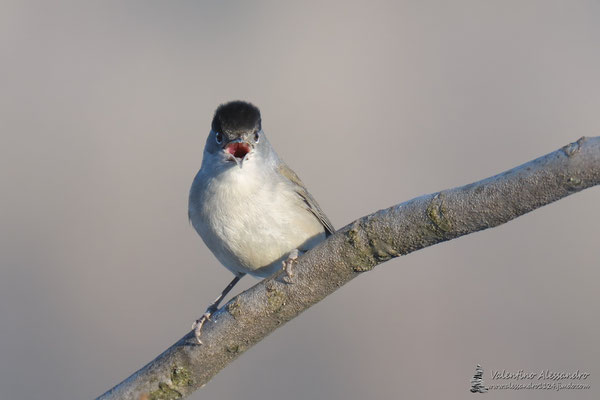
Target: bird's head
{"x": 236, "y": 133}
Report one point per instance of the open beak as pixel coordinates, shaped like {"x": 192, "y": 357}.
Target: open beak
{"x": 237, "y": 151}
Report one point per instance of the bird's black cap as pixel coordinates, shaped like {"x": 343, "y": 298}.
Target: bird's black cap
{"x": 235, "y": 117}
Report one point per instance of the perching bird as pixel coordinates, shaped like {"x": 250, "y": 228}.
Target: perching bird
{"x": 249, "y": 207}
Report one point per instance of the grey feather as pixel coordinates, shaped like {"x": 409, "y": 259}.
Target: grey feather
{"x": 310, "y": 201}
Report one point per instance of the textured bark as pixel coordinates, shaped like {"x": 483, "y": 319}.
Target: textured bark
{"x": 357, "y": 248}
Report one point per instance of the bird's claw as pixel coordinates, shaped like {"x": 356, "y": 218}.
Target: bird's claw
{"x": 288, "y": 266}
{"x": 197, "y": 326}
{"x": 199, "y": 323}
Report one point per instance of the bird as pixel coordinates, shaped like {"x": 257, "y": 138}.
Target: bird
{"x": 251, "y": 210}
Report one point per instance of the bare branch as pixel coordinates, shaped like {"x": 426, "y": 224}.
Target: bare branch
{"x": 354, "y": 249}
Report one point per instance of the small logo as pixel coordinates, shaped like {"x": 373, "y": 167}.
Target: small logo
{"x": 477, "y": 381}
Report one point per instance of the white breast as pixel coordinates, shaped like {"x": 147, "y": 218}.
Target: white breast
{"x": 250, "y": 218}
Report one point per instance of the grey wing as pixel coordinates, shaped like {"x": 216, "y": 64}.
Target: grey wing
{"x": 310, "y": 201}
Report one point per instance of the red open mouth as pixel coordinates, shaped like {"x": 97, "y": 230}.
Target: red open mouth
{"x": 238, "y": 149}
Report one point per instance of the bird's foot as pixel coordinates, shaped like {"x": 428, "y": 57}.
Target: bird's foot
{"x": 288, "y": 266}
{"x": 199, "y": 323}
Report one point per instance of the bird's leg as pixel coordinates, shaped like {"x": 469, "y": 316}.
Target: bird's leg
{"x": 197, "y": 326}
{"x": 288, "y": 265}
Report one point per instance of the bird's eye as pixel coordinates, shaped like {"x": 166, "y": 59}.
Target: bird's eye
{"x": 256, "y": 137}
{"x": 219, "y": 137}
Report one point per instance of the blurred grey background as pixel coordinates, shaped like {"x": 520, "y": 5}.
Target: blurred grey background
{"x": 104, "y": 110}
